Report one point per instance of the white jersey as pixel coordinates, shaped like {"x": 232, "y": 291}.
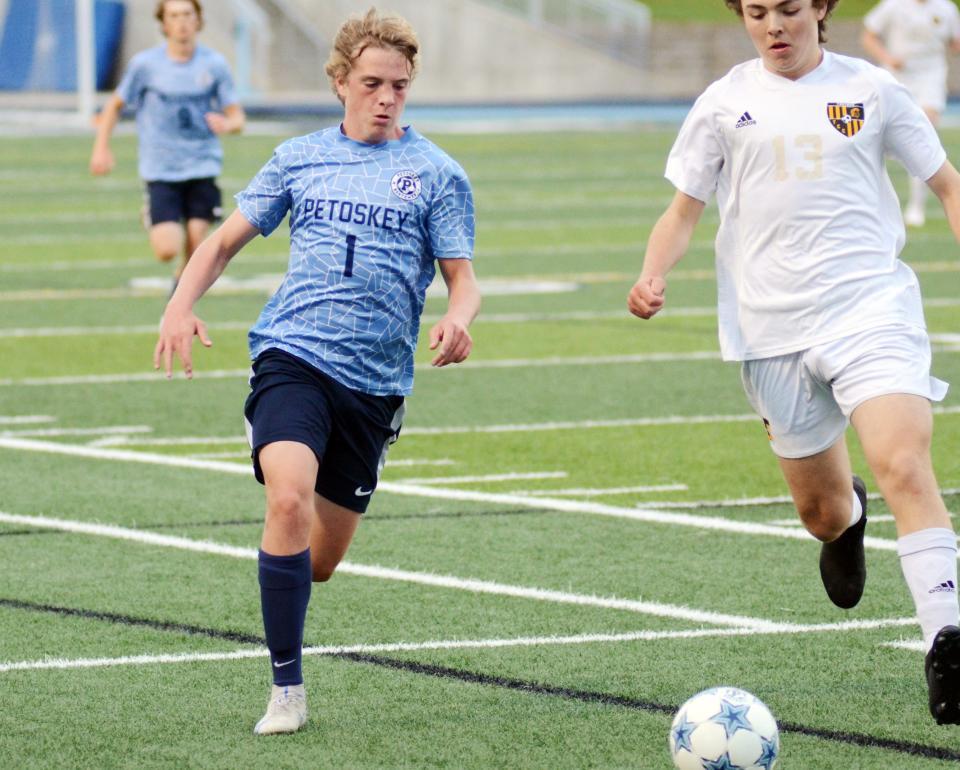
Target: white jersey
{"x": 810, "y": 227}
{"x": 919, "y": 34}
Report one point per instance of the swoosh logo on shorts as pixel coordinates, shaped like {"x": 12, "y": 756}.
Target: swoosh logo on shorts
{"x": 361, "y": 492}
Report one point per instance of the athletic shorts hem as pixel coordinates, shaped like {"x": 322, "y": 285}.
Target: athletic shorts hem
{"x": 802, "y": 454}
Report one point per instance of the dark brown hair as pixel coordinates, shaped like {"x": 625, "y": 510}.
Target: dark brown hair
{"x": 737, "y": 5}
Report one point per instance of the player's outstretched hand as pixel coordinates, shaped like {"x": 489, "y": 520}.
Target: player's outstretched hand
{"x": 177, "y": 330}
{"x": 452, "y": 342}
{"x": 647, "y": 297}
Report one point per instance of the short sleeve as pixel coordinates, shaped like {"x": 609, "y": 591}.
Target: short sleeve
{"x": 878, "y": 18}
{"x": 696, "y": 159}
{"x": 226, "y": 93}
{"x": 132, "y": 84}
{"x": 954, "y": 23}
{"x": 265, "y": 201}
{"x": 909, "y": 137}
{"x": 451, "y": 222}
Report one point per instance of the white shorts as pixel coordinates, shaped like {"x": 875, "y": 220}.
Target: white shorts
{"x": 806, "y": 398}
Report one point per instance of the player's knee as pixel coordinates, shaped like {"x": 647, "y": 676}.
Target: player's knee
{"x": 164, "y": 253}
{"x": 288, "y": 510}
{"x": 824, "y": 519}
{"x": 902, "y": 473}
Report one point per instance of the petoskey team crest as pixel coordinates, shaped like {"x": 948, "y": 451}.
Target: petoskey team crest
{"x": 406, "y": 185}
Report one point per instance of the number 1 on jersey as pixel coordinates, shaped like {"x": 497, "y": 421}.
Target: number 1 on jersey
{"x": 351, "y": 245}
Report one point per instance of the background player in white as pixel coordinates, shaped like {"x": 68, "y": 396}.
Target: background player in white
{"x": 813, "y": 299}
{"x": 184, "y": 98}
{"x": 911, "y": 38}
{"x": 373, "y": 206}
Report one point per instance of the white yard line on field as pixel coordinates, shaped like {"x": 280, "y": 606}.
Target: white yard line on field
{"x": 601, "y": 492}
{"x": 26, "y": 419}
{"x": 179, "y": 441}
{"x": 874, "y": 519}
{"x": 422, "y": 490}
{"x": 530, "y": 427}
{"x": 641, "y": 422}
{"x": 489, "y": 477}
{"x": 462, "y": 644}
{"x": 211, "y": 455}
{"x": 749, "y": 502}
{"x": 656, "y": 609}
{"x": 112, "y": 430}
{"x": 903, "y": 644}
{"x": 103, "y": 379}
{"x": 73, "y": 266}
{"x": 82, "y": 331}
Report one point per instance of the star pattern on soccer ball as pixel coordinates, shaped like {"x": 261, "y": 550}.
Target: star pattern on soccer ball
{"x": 681, "y": 734}
{"x": 768, "y": 754}
{"x": 732, "y": 717}
{"x": 722, "y": 762}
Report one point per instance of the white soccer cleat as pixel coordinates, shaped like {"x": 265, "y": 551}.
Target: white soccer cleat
{"x": 913, "y": 216}
{"x": 286, "y": 711}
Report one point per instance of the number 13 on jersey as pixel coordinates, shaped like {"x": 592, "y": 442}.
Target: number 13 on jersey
{"x": 810, "y": 165}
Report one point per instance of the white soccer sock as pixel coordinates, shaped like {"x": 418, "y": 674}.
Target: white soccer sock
{"x": 918, "y": 194}
{"x": 928, "y": 559}
{"x": 856, "y": 512}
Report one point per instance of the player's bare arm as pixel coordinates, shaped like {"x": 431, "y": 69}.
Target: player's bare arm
{"x": 101, "y": 159}
{"x": 668, "y": 242}
{"x": 231, "y": 121}
{"x": 945, "y": 184}
{"x": 449, "y": 336}
{"x": 179, "y": 324}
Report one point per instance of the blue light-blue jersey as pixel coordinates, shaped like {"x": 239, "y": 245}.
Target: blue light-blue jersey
{"x": 171, "y": 99}
{"x": 367, "y": 223}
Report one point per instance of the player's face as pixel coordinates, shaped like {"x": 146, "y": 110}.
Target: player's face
{"x": 180, "y": 21}
{"x": 785, "y": 33}
{"x": 373, "y": 95}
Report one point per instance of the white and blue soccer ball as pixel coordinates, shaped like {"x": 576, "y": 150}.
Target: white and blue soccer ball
{"x": 724, "y": 728}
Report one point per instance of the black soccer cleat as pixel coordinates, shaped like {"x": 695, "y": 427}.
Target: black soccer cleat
{"x": 843, "y": 568}
{"x": 942, "y": 666}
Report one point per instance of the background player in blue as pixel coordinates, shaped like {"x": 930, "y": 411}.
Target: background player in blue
{"x": 183, "y": 95}
{"x": 373, "y": 208}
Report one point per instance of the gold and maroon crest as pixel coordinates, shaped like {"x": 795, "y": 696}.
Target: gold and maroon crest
{"x": 846, "y": 118}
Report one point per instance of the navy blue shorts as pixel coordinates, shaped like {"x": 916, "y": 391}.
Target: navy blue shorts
{"x": 347, "y": 430}
{"x": 180, "y": 201}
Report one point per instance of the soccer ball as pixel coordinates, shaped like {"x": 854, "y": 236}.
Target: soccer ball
{"x": 724, "y": 729}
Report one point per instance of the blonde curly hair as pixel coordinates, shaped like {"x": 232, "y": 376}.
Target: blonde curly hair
{"x": 370, "y": 30}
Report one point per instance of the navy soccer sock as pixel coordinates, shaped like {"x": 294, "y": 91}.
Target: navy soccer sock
{"x": 285, "y": 583}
